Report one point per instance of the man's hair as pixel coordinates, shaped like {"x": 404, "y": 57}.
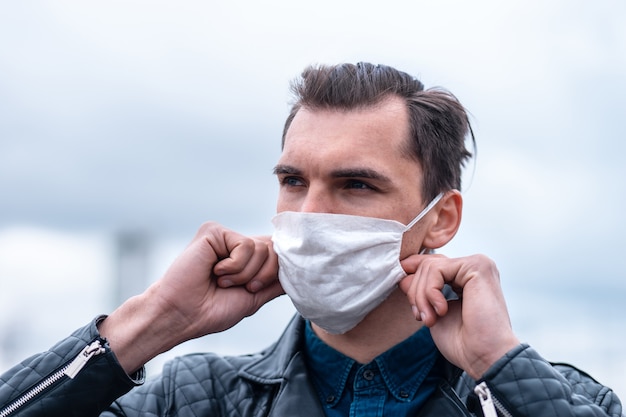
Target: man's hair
{"x": 438, "y": 122}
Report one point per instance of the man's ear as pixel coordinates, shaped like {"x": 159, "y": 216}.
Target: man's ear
{"x": 445, "y": 220}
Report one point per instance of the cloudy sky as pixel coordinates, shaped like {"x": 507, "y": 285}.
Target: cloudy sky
{"x": 157, "y": 116}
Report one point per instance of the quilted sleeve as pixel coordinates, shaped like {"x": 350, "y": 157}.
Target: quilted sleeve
{"x": 201, "y": 384}
{"x": 97, "y": 384}
{"x": 528, "y": 385}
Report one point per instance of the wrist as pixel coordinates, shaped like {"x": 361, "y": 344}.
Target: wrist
{"x": 137, "y": 331}
{"x": 482, "y": 366}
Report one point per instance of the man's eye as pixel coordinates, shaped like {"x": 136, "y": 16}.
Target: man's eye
{"x": 291, "y": 181}
{"x": 358, "y": 185}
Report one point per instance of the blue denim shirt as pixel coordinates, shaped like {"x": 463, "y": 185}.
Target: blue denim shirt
{"x": 396, "y": 383}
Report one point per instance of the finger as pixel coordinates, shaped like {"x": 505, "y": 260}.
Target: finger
{"x": 411, "y": 263}
{"x": 267, "y": 274}
{"x": 425, "y": 291}
{"x": 267, "y": 294}
{"x": 437, "y": 301}
{"x": 245, "y": 261}
{"x": 420, "y": 300}
{"x": 408, "y": 285}
{"x": 405, "y": 283}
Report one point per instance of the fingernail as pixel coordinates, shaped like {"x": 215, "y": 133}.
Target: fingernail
{"x": 255, "y": 286}
{"x": 415, "y": 312}
{"x": 422, "y": 316}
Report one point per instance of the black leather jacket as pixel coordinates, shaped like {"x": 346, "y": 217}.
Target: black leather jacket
{"x": 275, "y": 383}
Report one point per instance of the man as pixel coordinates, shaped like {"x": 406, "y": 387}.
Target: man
{"x": 369, "y": 183}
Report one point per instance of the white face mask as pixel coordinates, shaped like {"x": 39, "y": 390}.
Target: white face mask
{"x": 336, "y": 268}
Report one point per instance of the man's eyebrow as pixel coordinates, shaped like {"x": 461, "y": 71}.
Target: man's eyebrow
{"x": 360, "y": 173}
{"x": 356, "y": 172}
{"x": 286, "y": 169}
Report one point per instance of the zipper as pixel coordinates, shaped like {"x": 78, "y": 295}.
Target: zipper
{"x": 70, "y": 370}
{"x": 490, "y": 404}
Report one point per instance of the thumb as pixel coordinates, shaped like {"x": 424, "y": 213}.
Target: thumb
{"x": 412, "y": 262}
{"x": 267, "y": 294}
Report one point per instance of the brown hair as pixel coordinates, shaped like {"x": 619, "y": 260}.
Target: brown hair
{"x": 438, "y": 122}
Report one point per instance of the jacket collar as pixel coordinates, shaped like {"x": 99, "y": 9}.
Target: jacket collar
{"x": 282, "y": 365}
{"x": 271, "y": 366}
{"x": 274, "y": 362}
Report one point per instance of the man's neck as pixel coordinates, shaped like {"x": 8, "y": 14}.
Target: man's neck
{"x": 386, "y": 326}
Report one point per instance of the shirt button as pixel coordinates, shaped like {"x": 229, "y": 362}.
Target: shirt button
{"x": 330, "y": 399}
{"x": 368, "y": 374}
{"x": 404, "y": 394}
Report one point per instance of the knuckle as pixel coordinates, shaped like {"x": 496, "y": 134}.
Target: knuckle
{"x": 486, "y": 265}
{"x": 484, "y": 261}
{"x": 209, "y": 225}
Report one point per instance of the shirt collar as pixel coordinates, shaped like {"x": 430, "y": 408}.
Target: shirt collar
{"x": 330, "y": 368}
{"x": 403, "y": 367}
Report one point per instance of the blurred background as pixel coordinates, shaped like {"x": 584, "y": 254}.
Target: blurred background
{"x": 125, "y": 125}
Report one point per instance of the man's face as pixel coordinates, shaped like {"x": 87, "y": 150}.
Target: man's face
{"x": 352, "y": 162}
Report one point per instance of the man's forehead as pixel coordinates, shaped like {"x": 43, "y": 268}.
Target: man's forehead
{"x": 367, "y": 142}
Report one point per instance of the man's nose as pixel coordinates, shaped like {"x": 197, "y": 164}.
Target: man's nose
{"x": 317, "y": 200}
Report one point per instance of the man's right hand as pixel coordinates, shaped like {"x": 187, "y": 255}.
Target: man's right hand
{"x": 220, "y": 278}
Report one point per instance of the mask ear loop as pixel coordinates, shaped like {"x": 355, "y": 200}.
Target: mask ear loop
{"x": 425, "y": 211}
{"x": 420, "y": 216}
{"x": 447, "y": 291}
